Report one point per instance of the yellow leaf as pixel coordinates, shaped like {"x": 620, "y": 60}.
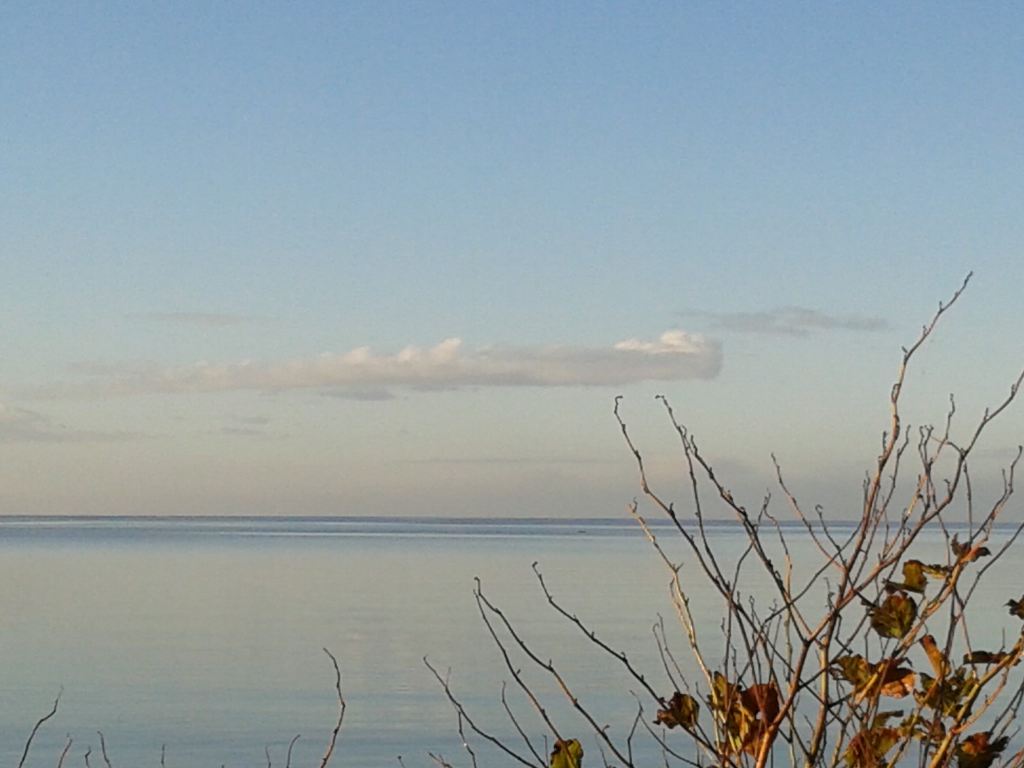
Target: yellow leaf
{"x": 913, "y": 578}
{"x": 567, "y": 754}
{"x": 935, "y": 570}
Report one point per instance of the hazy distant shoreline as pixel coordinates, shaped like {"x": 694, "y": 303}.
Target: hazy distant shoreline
{"x": 357, "y": 523}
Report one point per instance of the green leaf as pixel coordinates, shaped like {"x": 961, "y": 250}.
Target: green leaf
{"x": 682, "y": 710}
{"x": 567, "y": 754}
{"x": 895, "y": 616}
{"x": 913, "y": 576}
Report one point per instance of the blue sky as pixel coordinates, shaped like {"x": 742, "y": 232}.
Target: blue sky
{"x": 239, "y": 242}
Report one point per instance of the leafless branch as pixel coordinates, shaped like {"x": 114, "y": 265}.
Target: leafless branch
{"x": 341, "y": 711}
{"x": 103, "y": 749}
{"x": 288, "y": 757}
{"x": 64, "y": 752}
{"x": 37, "y": 726}
{"x": 463, "y": 715}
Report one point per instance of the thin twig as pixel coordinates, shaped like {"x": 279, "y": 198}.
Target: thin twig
{"x": 288, "y": 757}
{"x": 341, "y": 711}
{"x": 64, "y": 753}
{"x": 103, "y": 749}
{"x": 37, "y": 726}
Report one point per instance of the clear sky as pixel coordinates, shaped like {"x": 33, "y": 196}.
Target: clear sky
{"x": 398, "y": 258}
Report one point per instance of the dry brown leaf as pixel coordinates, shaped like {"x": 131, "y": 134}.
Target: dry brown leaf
{"x": 937, "y": 658}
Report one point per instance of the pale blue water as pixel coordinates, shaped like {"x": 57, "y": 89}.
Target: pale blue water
{"x": 206, "y": 635}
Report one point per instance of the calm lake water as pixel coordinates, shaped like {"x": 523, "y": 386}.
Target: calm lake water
{"x": 206, "y": 635}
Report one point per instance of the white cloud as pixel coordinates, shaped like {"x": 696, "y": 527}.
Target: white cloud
{"x": 447, "y": 365}
{"x": 670, "y": 342}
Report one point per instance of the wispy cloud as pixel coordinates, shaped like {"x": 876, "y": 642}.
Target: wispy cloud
{"x": 509, "y": 460}
{"x": 23, "y": 425}
{"x": 201, "y": 319}
{"x": 253, "y": 427}
{"x": 364, "y": 374}
{"x": 361, "y": 395}
{"x": 787, "y": 321}
{"x": 253, "y": 421}
{"x": 244, "y": 432}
